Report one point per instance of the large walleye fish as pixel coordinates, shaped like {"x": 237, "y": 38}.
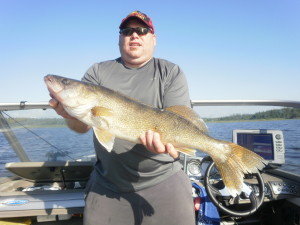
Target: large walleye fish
{"x": 112, "y": 114}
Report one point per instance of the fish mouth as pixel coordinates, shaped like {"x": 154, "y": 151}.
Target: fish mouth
{"x": 53, "y": 86}
{"x": 49, "y": 79}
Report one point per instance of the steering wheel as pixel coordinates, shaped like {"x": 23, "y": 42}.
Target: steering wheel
{"x": 214, "y": 185}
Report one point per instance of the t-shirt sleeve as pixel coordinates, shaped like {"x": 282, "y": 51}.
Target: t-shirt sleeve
{"x": 92, "y": 75}
{"x": 176, "y": 89}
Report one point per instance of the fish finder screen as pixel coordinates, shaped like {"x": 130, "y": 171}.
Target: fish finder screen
{"x": 261, "y": 144}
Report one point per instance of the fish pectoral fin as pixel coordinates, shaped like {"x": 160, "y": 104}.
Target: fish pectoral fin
{"x": 187, "y": 151}
{"x": 105, "y": 138}
{"x": 101, "y": 111}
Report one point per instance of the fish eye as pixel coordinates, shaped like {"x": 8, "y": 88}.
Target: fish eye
{"x": 65, "y": 81}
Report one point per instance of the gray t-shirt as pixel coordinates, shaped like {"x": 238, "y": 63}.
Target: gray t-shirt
{"x": 159, "y": 83}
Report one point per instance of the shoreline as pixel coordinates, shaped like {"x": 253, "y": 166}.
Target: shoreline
{"x": 237, "y": 121}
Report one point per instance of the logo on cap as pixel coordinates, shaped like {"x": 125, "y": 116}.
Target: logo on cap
{"x": 139, "y": 15}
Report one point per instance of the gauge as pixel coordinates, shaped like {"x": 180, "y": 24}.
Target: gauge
{"x": 193, "y": 168}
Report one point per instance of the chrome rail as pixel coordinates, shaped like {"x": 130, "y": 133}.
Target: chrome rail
{"x": 23, "y": 105}
{"x": 283, "y": 103}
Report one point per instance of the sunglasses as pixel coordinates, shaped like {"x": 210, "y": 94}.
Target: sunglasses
{"x": 139, "y": 30}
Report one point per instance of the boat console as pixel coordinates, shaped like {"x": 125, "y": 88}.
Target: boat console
{"x": 272, "y": 189}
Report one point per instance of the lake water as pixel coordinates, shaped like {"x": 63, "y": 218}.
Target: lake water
{"x": 63, "y": 144}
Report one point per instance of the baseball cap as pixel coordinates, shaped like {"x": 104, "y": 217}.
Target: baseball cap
{"x": 139, "y": 15}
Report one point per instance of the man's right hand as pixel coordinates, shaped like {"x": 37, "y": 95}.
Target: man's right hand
{"x": 72, "y": 122}
{"x": 58, "y": 107}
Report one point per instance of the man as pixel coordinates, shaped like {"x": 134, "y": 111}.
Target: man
{"x": 134, "y": 184}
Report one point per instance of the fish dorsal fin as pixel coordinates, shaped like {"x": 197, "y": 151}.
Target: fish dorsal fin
{"x": 189, "y": 114}
{"x": 105, "y": 138}
{"x": 101, "y": 111}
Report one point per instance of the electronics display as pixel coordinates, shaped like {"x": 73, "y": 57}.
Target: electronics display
{"x": 269, "y": 144}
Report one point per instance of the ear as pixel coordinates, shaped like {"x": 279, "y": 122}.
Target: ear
{"x": 154, "y": 40}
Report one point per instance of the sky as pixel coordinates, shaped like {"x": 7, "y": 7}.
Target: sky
{"x": 228, "y": 49}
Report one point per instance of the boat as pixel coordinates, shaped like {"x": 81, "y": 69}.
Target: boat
{"x": 52, "y": 192}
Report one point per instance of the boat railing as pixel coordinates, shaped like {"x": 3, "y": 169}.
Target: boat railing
{"x": 282, "y": 103}
{"x": 23, "y": 105}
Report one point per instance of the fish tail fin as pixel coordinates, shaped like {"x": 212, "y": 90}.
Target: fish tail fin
{"x": 238, "y": 161}
{"x": 187, "y": 151}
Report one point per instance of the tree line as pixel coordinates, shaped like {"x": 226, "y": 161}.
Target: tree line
{"x": 285, "y": 113}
